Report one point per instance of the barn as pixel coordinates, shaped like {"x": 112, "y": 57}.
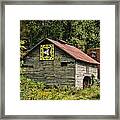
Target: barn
{"x": 58, "y": 63}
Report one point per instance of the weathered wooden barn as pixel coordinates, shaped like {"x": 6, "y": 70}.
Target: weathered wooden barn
{"x": 57, "y": 63}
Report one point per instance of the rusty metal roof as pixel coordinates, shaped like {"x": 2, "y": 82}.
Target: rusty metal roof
{"x": 71, "y": 50}
{"x": 74, "y": 52}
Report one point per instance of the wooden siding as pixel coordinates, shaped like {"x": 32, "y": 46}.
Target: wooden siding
{"x": 50, "y": 72}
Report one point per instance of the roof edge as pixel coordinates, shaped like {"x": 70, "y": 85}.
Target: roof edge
{"x": 50, "y": 40}
{"x": 33, "y": 48}
{"x": 97, "y": 63}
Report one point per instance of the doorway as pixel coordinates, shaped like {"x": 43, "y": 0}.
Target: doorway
{"x": 86, "y": 82}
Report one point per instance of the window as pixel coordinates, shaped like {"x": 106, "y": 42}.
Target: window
{"x": 93, "y": 54}
{"x": 63, "y": 64}
{"x": 27, "y": 65}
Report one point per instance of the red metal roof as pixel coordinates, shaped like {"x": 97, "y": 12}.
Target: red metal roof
{"x": 74, "y": 52}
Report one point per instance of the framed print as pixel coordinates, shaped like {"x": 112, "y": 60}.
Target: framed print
{"x": 59, "y": 60}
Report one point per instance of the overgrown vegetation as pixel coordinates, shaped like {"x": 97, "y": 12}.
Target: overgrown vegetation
{"x": 32, "y": 90}
{"x": 83, "y": 34}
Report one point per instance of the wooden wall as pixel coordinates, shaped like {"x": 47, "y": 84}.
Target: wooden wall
{"x": 50, "y": 72}
{"x": 53, "y": 73}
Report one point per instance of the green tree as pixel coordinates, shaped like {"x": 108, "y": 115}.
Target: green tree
{"x": 83, "y": 34}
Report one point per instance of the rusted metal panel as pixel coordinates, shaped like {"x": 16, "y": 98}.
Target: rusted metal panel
{"x": 74, "y": 52}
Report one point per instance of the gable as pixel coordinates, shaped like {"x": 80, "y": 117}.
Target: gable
{"x": 68, "y": 49}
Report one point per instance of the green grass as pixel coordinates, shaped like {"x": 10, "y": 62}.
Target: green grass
{"x": 31, "y": 90}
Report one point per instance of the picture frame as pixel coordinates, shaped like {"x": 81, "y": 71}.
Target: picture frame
{"x": 2, "y": 75}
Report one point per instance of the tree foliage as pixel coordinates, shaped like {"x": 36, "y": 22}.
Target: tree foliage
{"x": 83, "y": 34}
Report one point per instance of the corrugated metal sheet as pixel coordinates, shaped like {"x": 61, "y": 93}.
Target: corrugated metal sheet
{"x": 74, "y": 52}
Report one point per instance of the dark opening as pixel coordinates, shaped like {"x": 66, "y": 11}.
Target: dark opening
{"x": 86, "y": 82}
{"x": 63, "y": 64}
{"x": 27, "y": 65}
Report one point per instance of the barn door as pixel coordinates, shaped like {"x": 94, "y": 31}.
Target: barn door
{"x": 86, "y": 82}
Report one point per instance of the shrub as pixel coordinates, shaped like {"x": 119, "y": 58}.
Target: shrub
{"x": 32, "y": 90}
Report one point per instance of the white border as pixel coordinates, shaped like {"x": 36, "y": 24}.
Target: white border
{"x": 104, "y": 13}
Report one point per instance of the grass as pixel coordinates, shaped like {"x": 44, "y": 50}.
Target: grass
{"x": 31, "y": 90}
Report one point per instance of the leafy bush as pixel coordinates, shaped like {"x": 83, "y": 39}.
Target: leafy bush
{"x": 32, "y": 90}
